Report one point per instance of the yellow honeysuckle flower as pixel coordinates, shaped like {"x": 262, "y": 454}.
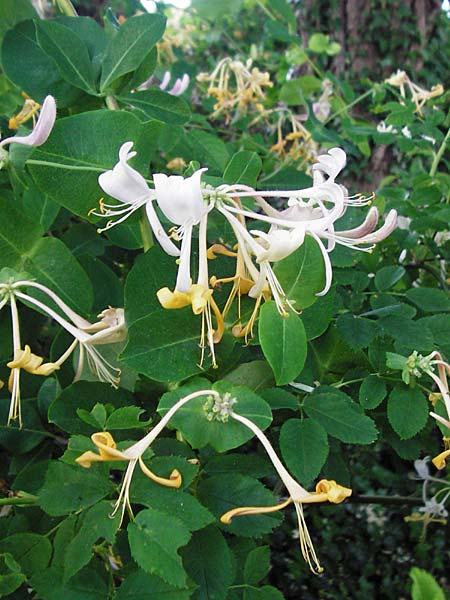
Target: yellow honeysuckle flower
{"x": 326, "y": 490}
{"x": 108, "y": 451}
{"x": 32, "y": 363}
{"x": 440, "y": 461}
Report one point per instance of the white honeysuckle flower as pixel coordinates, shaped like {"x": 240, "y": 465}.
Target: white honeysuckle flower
{"x": 107, "y": 451}
{"x": 326, "y": 491}
{"x": 180, "y": 85}
{"x": 165, "y": 80}
{"x": 383, "y": 128}
{"x": 406, "y": 132}
{"x": 181, "y": 201}
{"x": 329, "y": 165}
{"x": 109, "y": 329}
{"x": 129, "y": 187}
{"x": 41, "y": 130}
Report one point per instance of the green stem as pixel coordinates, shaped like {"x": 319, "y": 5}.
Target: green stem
{"x": 438, "y": 155}
{"x": 67, "y": 8}
{"x": 146, "y": 232}
{"x": 45, "y": 163}
{"x": 22, "y": 498}
{"x": 347, "y": 106}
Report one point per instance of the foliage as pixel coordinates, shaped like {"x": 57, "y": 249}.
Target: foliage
{"x": 341, "y": 383}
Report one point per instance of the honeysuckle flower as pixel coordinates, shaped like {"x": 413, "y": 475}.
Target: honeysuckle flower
{"x": 108, "y": 330}
{"x": 107, "y": 451}
{"x": 383, "y": 128}
{"x": 236, "y": 85}
{"x": 326, "y": 491}
{"x": 179, "y": 87}
{"x": 419, "y": 95}
{"x": 41, "y": 130}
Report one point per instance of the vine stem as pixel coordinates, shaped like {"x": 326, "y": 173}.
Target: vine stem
{"x": 21, "y": 499}
{"x": 438, "y": 155}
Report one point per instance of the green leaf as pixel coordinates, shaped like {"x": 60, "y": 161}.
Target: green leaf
{"x": 63, "y": 411}
{"x": 208, "y": 561}
{"x": 68, "y": 489}
{"x": 279, "y": 398}
{"x": 140, "y": 585}
{"x": 340, "y": 416}
{"x": 256, "y": 375}
{"x": 13, "y": 11}
{"x": 304, "y": 446}
{"x": 10, "y": 576}
{"x": 185, "y": 507}
{"x": 316, "y": 318}
{"x": 18, "y": 235}
{"x": 81, "y": 147}
{"x": 155, "y": 538}
{"x": 302, "y": 274}
{"x": 407, "y": 411}
{"x": 243, "y": 167}
{"x": 130, "y": 45}
{"x": 318, "y": 42}
{"x": 396, "y": 362}
{"x": 283, "y": 341}
{"x": 209, "y": 150}
{"x": 96, "y": 524}
{"x": 356, "y": 331}
{"x": 425, "y": 586}
{"x": 69, "y": 52}
{"x": 372, "y": 391}
{"x": 257, "y": 565}
{"x": 221, "y": 493}
{"x": 126, "y": 417}
{"x": 30, "y": 550}
{"x": 165, "y": 345}
{"x": 192, "y": 422}
{"x": 429, "y": 299}
{"x": 387, "y": 277}
{"x": 53, "y": 265}
{"x": 408, "y": 333}
{"x": 88, "y": 584}
{"x": 30, "y": 68}
{"x": 157, "y": 104}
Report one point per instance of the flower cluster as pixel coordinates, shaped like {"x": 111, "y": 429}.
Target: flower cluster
{"x": 236, "y": 86}
{"x": 418, "y": 94}
{"x": 109, "y": 329}
{"x": 218, "y": 408}
{"x": 186, "y": 203}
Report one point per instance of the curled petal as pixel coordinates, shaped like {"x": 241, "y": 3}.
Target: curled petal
{"x": 42, "y": 129}
{"x": 440, "y": 461}
{"x": 107, "y": 449}
{"x": 180, "y": 85}
{"x": 165, "y": 81}
{"x": 175, "y": 480}
{"x": 365, "y": 228}
{"x": 388, "y": 227}
{"x": 243, "y": 511}
{"x": 123, "y": 182}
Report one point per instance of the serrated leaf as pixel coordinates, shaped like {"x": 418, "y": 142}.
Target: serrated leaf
{"x": 257, "y": 565}
{"x": 407, "y": 411}
{"x": 372, "y": 391}
{"x": 30, "y": 550}
{"x": 304, "y": 446}
{"x": 387, "y": 277}
{"x": 408, "y": 333}
{"x": 96, "y": 523}
{"x": 356, "y": 331}
{"x": 340, "y": 416}
{"x": 129, "y": 46}
{"x": 208, "y": 562}
{"x": 154, "y": 539}
{"x": 68, "y": 489}
{"x": 429, "y": 299}
{"x": 139, "y": 585}
{"x": 283, "y": 341}
{"x": 221, "y": 493}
